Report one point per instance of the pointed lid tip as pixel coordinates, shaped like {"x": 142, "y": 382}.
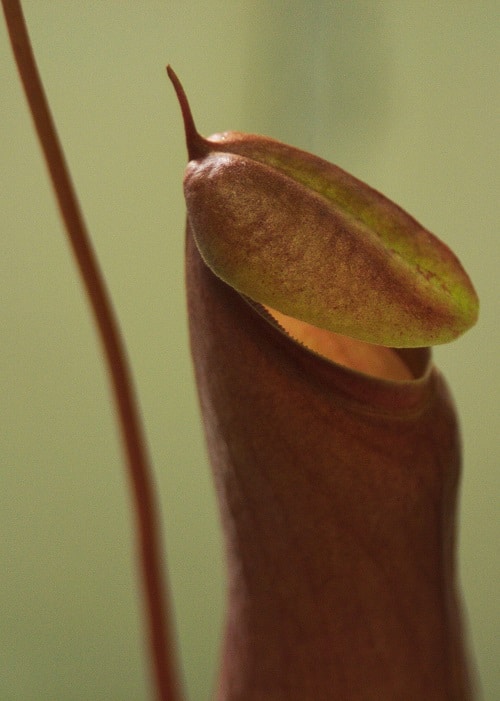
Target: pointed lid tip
{"x": 197, "y": 146}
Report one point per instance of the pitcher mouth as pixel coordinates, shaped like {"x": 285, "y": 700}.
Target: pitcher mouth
{"x": 395, "y": 365}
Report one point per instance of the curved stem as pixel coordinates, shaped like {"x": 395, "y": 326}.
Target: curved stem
{"x": 139, "y": 469}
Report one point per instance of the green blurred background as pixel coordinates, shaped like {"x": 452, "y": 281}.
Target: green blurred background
{"x": 400, "y": 93}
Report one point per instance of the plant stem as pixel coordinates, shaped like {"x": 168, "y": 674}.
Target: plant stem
{"x": 139, "y": 469}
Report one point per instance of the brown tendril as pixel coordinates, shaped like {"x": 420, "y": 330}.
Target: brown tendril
{"x": 139, "y": 469}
